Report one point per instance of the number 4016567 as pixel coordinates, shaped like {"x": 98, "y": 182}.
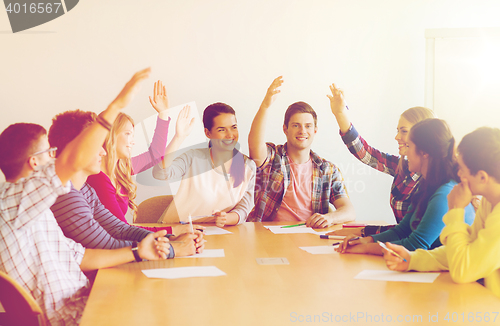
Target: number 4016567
{"x": 33, "y": 8}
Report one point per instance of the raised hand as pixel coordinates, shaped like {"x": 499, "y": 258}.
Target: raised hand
{"x": 160, "y": 99}
{"x": 184, "y": 125}
{"x": 130, "y": 89}
{"x": 394, "y": 263}
{"x": 271, "y": 92}
{"x": 337, "y": 103}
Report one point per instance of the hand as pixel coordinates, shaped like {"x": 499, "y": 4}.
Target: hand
{"x": 476, "y": 202}
{"x": 346, "y": 232}
{"x": 394, "y": 263}
{"x": 460, "y": 196}
{"x": 337, "y": 103}
{"x": 160, "y": 99}
{"x": 184, "y": 244}
{"x": 199, "y": 241}
{"x": 184, "y": 126}
{"x": 151, "y": 249}
{"x": 343, "y": 247}
{"x": 185, "y": 228}
{"x": 271, "y": 92}
{"x": 220, "y": 219}
{"x": 318, "y": 221}
{"x": 130, "y": 88}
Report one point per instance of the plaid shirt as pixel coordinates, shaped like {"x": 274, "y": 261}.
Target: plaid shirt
{"x": 405, "y": 182}
{"x": 34, "y": 251}
{"x": 273, "y": 177}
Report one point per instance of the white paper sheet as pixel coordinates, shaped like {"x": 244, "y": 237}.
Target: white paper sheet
{"x": 183, "y": 272}
{"x": 213, "y": 230}
{"x": 386, "y": 275}
{"x": 208, "y": 253}
{"x": 320, "y": 250}
{"x": 277, "y": 229}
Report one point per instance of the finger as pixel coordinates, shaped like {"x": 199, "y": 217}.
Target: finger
{"x": 153, "y": 103}
{"x": 164, "y": 91}
{"x": 155, "y": 89}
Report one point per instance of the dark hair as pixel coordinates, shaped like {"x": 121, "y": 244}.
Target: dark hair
{"x": 17, "y": 142}
{"x": 300, "y": 107}
{"x": 237, "y": 170}
{"x": 433, "y": 137}
{"x": 67, "y": 125}
{"x": 480, "y": 150}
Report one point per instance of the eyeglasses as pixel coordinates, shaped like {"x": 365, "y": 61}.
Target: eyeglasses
{"x": 51, "y": 151}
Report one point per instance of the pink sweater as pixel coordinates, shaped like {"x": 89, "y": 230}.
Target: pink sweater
{"x": 116, "y": 204}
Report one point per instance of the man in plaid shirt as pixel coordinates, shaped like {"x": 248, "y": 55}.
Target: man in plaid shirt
{"x": 33, "y": 249}
{"x": 293, "y": 183}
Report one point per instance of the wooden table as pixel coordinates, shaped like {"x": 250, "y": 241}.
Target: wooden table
{"x": 318, "y": 288}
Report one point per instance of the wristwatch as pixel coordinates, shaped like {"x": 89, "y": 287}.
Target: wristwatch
{"x": 135, "y": 251}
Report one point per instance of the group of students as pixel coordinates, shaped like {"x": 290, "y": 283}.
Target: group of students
{"x": 64, "y": 217}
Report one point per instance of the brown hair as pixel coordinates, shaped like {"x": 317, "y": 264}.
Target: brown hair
{"x": 17, "y": 142}
{"x": 300, "y": 107}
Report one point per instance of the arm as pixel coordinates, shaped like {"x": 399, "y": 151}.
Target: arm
{"x": 256, "y": 143}
{"x": 428, "y": 229}
{"x": 176, "y": 170}
{"x": 183, "y": 128}
{"x": 471, "y": 251}
{"x": 80, "y": 151}
{"x": 339, "y": 109}
{"x": 107, "y": 195}
{"x": 149, "y": 249}
{"x": 344, "y": 212}
{"x": 155, "y": 151}
{"x": 78, "y": 221}
{"x": 245, "y": 205}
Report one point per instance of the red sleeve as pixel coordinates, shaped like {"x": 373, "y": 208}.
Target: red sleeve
{"x": 107, "y": 195}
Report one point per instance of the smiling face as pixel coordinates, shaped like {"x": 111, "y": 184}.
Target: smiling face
{"x": 125, "y": 141}
{"x": 415, "y": 158}
{"x": 224, "y": 133}
{"x": 404, "y": 127}
{"x": 300, "y": 131}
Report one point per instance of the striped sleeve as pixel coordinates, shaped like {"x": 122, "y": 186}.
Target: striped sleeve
{"x": 84, "y": 219}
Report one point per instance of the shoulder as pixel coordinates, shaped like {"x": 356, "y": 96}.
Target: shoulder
{"x": 323, "y": 163}
{"x": 100, "y": 180}
{"x": 445, "y": 188}
{"x": 249, "y": 163}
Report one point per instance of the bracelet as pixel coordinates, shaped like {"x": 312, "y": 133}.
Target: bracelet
{"x": 135, "y": 251}
{"x": 103, "y": 122}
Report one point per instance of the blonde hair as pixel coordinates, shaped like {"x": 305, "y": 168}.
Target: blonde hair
{"x": 121, "y": 172}
{"x": 414, "y": 115}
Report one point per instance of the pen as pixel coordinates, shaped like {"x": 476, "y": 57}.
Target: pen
{"x": 191, "y": 223}
{"x": 336, "y": 243}
{"x": 333, "y": 237}
{"x": 390, "y": 250}
{"x": 291, "y": 226}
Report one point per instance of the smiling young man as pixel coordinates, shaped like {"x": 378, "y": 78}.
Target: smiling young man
{"x": 293, "y": 182}
{"x": 470, "y": 253}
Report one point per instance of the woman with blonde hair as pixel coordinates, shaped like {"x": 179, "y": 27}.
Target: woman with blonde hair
{"x": 405, "y": 182}
{"x": 114, "y": 184}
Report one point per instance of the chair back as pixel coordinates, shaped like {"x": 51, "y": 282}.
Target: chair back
{"x": 150, "y": 210}
{"x": 20, "y": 307}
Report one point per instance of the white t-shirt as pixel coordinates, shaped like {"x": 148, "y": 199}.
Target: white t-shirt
{"x": 204, "y": 188}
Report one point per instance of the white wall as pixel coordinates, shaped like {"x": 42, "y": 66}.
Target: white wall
{"x": 230, "y": 51}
